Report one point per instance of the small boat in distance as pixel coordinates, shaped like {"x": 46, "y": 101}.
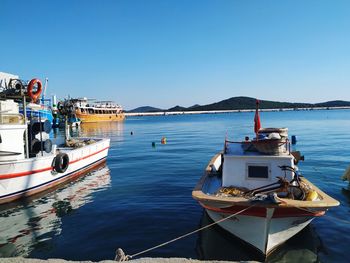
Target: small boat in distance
{"x": 254, "y": 190}
{"x": 96, "y": 111}
{"x": 29, "y": 162}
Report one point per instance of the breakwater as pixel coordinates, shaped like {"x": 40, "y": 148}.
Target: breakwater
{"x": 161, "y": 113}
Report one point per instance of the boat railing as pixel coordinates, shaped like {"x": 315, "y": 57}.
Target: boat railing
{"x": 105, "y": 106}
{"x": 46, "y": 102}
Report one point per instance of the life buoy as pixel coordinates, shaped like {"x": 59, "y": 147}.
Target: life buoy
{"x": 34, "y": 95}
{"x": 61, "y": 162}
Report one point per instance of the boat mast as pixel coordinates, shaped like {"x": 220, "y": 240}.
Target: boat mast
{"x": 66, "y": 127}
{"x": 25, "y": 122}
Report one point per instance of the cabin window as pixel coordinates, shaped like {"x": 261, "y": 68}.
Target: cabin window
{"x": 258, "y": 171}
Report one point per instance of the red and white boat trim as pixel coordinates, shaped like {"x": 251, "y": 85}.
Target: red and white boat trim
{"x": 22, "y": 178}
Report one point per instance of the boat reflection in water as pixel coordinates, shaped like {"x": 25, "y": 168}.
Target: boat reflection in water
{"x": 23, "y": 225}
{"x": 214, "y": 243}
{"x": 107, "y": 129}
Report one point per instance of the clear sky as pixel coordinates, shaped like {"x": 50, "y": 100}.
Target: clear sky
{"x": 164, "y": 53}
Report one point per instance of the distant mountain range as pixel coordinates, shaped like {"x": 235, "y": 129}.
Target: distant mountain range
{"x": 243, "y": 103}
{"x": 146, "y": 109}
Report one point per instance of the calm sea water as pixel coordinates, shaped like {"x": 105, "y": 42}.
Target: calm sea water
{"x": 142, "y": 197}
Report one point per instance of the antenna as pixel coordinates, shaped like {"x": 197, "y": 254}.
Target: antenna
{"x": 45, "y": 86}
{"x": 44, "y": 91}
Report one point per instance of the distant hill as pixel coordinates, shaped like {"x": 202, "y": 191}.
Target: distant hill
{"x": 178, "y": 108}
{"x": 194, "y": 106}
{"x": 242, "y": 103}
{"x": 334, "y": 103}
{"x": 145, "y": 109}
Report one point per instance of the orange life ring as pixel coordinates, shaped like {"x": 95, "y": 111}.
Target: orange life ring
{"x": 34, "y": 95}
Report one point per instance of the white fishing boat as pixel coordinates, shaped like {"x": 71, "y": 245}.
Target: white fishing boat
{"x": 29, "y": 162}
{"x": 256, "y": 192}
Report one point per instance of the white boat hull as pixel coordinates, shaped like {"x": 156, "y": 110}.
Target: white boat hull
{"x": 265, "y": 233}
{"x": 29, "y": 176}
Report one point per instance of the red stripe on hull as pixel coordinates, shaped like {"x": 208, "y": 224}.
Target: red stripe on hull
{"x": 77, "y": 160}
{"x": 261, "y": 211}
{"x": 14, "y": 175}
{"x": 54, "y": 184}
{"x": 9, "y": 176}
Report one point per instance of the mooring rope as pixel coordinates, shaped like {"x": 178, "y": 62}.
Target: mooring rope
{"x": 120, "y": 255}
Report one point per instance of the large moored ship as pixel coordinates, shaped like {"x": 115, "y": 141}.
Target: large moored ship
{"x": 97, "y": 111}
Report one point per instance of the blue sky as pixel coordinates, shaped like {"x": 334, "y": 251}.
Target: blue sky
{"x": 180, "y": 52}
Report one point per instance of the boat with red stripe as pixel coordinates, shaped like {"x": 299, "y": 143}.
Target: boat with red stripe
{"x": 29, "y": 162}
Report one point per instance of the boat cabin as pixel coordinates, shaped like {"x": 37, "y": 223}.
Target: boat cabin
{"x": 12, "y": 127}
{"x": 83, "y": 106}
{"x": 252, "y": 164}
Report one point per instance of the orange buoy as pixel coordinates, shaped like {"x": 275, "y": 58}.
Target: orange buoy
{"x": 34, "y": 95}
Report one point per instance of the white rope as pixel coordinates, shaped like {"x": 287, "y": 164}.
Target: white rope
{"x": 121, "y": 257}
{"x": 127, "y": 257}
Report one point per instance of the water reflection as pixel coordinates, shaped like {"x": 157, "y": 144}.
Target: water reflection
{"x": 98, "y": 128}
{"x": 25, "y": 225}
{"x": 214, "y": 243}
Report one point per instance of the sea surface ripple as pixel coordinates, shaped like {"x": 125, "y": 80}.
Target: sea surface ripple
{"x": 142, "y": 197}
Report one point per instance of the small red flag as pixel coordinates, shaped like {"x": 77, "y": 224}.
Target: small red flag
{"x": 257, "y": 124}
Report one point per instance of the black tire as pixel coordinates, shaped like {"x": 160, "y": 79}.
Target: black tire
{"x": 47, "y": 146}
{"x": 61, "y": 162}
{"x": 35, "y": 146}
{"x": 44, "y": 126}
{"x": 19, "y": 85}
{"x": 47, "y": 126}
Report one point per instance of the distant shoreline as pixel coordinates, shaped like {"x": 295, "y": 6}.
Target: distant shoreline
{"x": 164, "y": 113}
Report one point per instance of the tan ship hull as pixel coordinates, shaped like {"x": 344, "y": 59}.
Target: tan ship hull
{"x": 100, "y": 117}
